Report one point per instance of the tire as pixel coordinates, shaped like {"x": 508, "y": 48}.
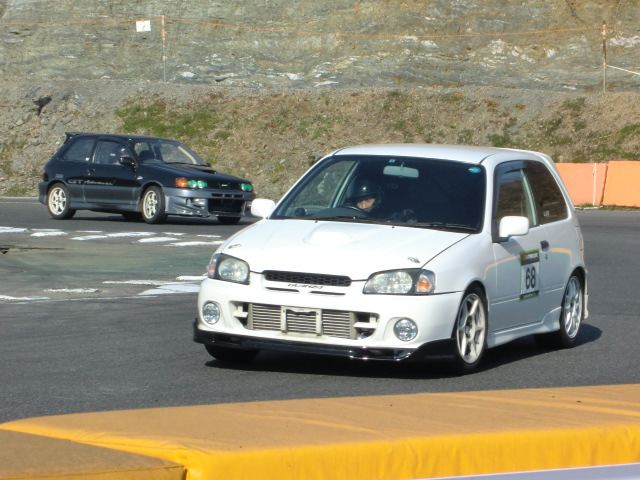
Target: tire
{"x": 228, "y": 220}
{"x": 132, "y": 216}
{"x": 59, "y": 201}
{"x": 571, "y": 317}
{"x": 470, "y": 331}
{"x": 153, "y": 208}
{"x": 231, "y": 355}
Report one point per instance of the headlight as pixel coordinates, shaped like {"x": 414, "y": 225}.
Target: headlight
{"x": 183, "y": 182}
{"x": 229, "y": 269}
{"x": 401, "y": 282}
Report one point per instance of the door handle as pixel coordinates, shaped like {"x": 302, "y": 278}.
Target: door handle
{"x": 544, "y": 245}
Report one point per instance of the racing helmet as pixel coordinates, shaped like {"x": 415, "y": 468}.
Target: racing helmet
{"x": 363, "y": 188}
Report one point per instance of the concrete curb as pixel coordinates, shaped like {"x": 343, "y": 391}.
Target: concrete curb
{"x": 384, "y": 437}
{"x": 24, "y": 456}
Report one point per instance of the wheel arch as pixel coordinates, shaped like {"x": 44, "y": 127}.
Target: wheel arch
{"x": 54, "y": 182}
{"x": 581, "y": 273}
{"x": 475, "y": 284}
{"x": 478, "y": 284}
{"x": 144, "y": 188}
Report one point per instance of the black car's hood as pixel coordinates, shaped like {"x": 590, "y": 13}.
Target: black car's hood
{"x": 196, "y": 172}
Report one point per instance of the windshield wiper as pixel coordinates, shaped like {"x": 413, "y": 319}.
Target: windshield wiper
{"x": 339, "y": 218}
{"x": 442, "y": 226}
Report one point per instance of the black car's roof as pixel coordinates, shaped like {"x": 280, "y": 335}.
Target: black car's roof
{"x": 119, "y": 136}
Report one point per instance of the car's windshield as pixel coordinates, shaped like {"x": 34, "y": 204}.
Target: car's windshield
{"x": 416, "y": 192}
{"x": 165, "y": 151}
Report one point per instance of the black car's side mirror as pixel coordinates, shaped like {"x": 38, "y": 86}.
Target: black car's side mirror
{"x": 127, "y": 161}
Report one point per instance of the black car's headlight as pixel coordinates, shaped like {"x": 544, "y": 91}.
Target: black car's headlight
{"x": 183, "y": 182}
{"x": 229, "y": 269}
{"x": 401, "y": 282}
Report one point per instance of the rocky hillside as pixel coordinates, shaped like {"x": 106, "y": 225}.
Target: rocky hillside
{"x": 549, "y": 44}
{"x": 263, "y": 88}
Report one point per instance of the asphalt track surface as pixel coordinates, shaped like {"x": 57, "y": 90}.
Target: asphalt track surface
{"x": 115, "y": 347}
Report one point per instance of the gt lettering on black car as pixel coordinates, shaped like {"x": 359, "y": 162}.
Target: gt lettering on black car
{"x": 140, "y": 177}
{"x": 402, "y": 252}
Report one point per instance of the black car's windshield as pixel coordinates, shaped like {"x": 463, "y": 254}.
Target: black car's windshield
{"x": 414, "y": 192}
{"x": 165, "y": 151}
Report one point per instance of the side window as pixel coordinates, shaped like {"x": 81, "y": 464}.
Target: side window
{"x": 513, "y": 196}
{"x": 108, "y": 153}
{"x": 321, "y": 191}
{"x": 548, "y": 198}
{"x": 79, "y": 151}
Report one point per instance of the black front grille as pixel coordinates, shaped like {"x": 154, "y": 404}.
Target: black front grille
{"x": 307, "y": 278}
{"x": 227, "y": 203}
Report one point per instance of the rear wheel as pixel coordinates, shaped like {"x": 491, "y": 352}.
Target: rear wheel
{"x": 153, "y": 205}
{"x": 470, "y": 330}
{"x": 571, "y": 316}
{"x": 59, "y": 201}
{"x": 231, "y": 354}
{"x": 228, "y": 220}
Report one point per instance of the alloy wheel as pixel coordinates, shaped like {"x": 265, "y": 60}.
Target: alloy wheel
{"x": 57, "y": 201}
{"x": 572, "y": 307}
{"x": 471, "y": 328}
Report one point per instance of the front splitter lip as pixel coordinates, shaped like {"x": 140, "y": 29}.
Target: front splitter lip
{"x": 440, "y": 348}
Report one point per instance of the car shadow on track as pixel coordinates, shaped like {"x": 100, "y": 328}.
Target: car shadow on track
{"x": 513, "y": 352}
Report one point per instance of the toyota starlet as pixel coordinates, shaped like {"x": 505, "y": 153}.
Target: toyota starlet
{"x": 391, "y": 252}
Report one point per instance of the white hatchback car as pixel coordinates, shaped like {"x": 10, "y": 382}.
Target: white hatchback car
{"x": 396, "y": 251}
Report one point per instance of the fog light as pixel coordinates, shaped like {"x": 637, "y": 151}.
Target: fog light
{"x": 200, "y": 202}
{"x": 405, "y": 329}
{"x": 211, "y": 313}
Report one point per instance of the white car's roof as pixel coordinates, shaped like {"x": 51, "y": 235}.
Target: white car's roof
{"x": 461, "y": 153}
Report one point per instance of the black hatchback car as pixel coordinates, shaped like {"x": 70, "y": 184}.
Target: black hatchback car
{"x": 139, "y": 177}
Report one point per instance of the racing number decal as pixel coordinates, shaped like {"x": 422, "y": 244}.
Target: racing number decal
{"x": 530, "y": 276}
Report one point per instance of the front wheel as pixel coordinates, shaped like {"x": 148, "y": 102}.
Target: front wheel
{"x": 153, "y": 205}
{"x": 228, "y": 220}
{"x": 59, "y": 201}
{"x": 231, "y": 355}
{"x": 470, "y": 330}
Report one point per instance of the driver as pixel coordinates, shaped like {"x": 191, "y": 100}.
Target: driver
{"x": 365, "y": 196}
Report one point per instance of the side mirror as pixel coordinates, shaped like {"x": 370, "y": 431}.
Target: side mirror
{"x": 127, "y": 161}
{"x": 262, "y": 207}
{"x": 512, "y": 227}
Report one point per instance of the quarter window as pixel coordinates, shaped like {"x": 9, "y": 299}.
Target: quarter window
{"x": 79, "y": 151}
{"x": 548, "y": 198}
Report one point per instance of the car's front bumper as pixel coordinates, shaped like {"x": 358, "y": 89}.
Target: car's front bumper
{"x": 436, "y": 349}
{"x": 204, "y": 203}
{"x": 340, "y": 321}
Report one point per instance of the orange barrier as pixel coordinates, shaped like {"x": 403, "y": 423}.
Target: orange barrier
{"x": 585, "y": 181}
{"x": 621, "y": 188}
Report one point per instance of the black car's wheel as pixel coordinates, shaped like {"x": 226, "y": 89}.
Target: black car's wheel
{"x": 228, "y": 220}
{"x": 153, "y": 205}
{"x": 571, "y": 316}
{"x": 59, "y": 201}
{"x": 470, "y": 330}
{"x": 132, "y": 216}
{"x": 231, "y": 354}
